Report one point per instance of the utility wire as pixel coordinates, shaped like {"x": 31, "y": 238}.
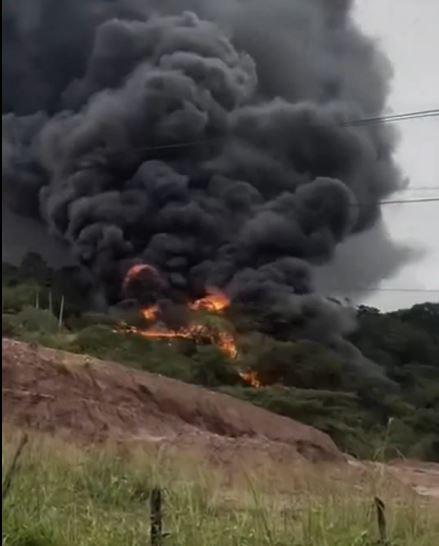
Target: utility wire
{"x": 355, "y": 122}
{"x": 401, "y": 201}
{"x": 394, "y": 117}
{"x": 397, "y": 202}
{"x": 376, "y": 289}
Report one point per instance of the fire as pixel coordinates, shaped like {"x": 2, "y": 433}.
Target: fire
{"x": 137, "y": 270}
{"x": 196, "y": 332}
{"x": 159, "y": 333}
{"x": 227, "y": 344}
{"x": 251, "y": 378}
{"x": 150, "y": 313}
{"x": 164, "y": 334}
{"x": 199, "y": 334}
{"x": 215, "y": 302}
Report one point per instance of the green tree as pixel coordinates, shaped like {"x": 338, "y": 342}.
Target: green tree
{"x": 301, "y": 364}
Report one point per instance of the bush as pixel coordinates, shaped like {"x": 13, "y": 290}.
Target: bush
{"x": 154, "y": 356}
{"x": 81, "y": 321}
{"x": 427, "y": 448}
{"x": 337, "y": 413}
{"x": 98, "y": 340}
{"x": 301, "y": 364}
{"x": 37, "y": 320}
{"x": 10, "y": 325}
{"x": 15, "y": 298}
{"x": 211, "y": 368}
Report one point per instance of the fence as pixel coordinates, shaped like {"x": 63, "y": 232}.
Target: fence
{"x": 156, "y": 497}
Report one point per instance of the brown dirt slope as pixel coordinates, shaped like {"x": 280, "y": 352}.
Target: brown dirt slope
{"x": 89, "y": 400}
{"x": 423, "y": 477}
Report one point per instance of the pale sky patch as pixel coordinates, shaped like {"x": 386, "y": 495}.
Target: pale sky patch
{"x": 407, "y": 31}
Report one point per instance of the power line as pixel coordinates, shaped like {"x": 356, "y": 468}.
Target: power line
{"x": 397, "y": 202}
{"x": 394, "y": 117}
{"x": 376, "y": 289}
{"x": 431, "y": 111}
{"x": 360, "y": 121}
{"x": 355, "y": 122}
{"x": 187, "y": 144}
{"x": 403, "y": 201}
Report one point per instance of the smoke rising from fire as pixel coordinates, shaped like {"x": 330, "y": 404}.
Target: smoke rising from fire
{"x": 97, "y": 93}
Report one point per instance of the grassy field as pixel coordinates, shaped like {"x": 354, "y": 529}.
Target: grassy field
{"x": 66, "y": 496}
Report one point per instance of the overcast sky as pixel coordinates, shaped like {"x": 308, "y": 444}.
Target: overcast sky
{"x": 408, "y": 32}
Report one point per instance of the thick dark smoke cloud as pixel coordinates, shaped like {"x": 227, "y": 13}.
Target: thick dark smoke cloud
{"x": 361, "y": 262}
{"x": 97, "y": 93}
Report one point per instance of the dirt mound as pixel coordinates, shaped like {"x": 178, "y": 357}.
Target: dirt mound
{"x": 90, "y": 400}
{"x": 423, "y": 477}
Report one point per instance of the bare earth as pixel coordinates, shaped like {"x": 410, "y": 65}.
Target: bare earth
{"x": 423, "y": 477}
{"x": 91, "y": 400}
{"x": 88, "y": 400}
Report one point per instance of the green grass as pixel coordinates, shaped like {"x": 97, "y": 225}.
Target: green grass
{"x": 65, "y": 496}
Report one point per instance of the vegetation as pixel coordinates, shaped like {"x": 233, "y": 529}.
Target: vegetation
{"x": 394, "y": 412}
{"x": 100, "y": 498}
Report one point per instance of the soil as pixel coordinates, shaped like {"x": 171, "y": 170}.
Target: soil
{"x": 423, "y": 477}
{"x": 83, "y": 399}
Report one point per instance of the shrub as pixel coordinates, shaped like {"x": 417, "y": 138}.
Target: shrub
{"x": 301, "y": 364}
{"x": 211, "y": 368}
{"x": 15, "y": 298}
{"x": 37, "y": 320}
{"x": 154, "y": 356}
{"x": 337, "y": 413}
{"x": 10, "y": 325}
{"x": 98, "y": 340}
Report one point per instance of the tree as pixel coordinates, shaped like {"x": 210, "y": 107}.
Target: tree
{"x": 34, "y": 267}
{"x": 301, "y": 364}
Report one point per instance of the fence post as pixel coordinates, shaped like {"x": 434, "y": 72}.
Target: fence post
{"x": 156, "y": 517}
{"x": 61, "y": 313}
{"x": 11, "y": 470}
{"x": 381, "y": 518}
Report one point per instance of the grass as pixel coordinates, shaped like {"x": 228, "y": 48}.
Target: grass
{"x": 69, "y": 496}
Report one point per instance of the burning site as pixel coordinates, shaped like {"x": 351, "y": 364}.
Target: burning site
{"x": 154, "y": 326}
{"x": 193, "y": 199}
{"x": 200, "y": 158}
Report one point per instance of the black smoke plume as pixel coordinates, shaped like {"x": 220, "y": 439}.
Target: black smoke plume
{"x": 209, "y": 139}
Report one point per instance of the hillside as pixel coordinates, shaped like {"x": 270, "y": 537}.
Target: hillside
{"x": 87, "y": 401}
{"x": 386, "y": 406}
{"x": 91, "y": 400}
{"x": 103, "y": 434}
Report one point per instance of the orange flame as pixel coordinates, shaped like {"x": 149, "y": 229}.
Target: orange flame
{"x": 158, "y": 333}
{"x": 135, "y": 270}
{"x": 251, "y": 378}
{"x": 215, "y": 302}
{"x": 150, "y": 313}
{"x": 227, "y": 344}
{"x": 197, "y": 332}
